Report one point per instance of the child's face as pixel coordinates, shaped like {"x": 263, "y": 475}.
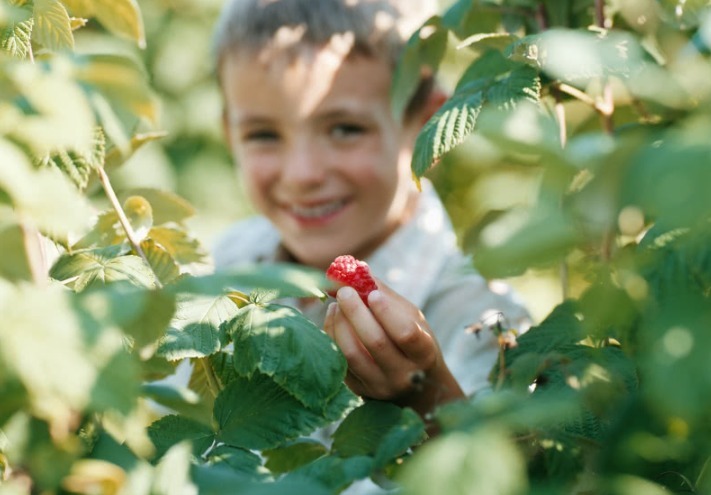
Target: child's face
{"x": 321, "y": 155}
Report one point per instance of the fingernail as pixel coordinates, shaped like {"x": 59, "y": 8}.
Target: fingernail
{"x": 375, "y": 296}
{"x": 331, "y": 309}
{"x": 346, "y": 292}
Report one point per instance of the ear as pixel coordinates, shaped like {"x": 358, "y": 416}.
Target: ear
{"x": 435, "y": 100}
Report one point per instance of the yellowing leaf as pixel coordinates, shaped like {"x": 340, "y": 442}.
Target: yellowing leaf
{"x": 52, "y": 28}
{"x": 122, "y": 17}
{"x": 81, "y": 8}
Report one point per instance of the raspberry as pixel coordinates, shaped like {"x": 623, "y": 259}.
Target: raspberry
{"x": 347, "y": 270}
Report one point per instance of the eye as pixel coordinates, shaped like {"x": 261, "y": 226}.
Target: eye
{"x": 346, "y": 131}
{"x": 260, "y": 136}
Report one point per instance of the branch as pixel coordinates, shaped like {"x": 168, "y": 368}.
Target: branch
{"x": 130, "y": 233}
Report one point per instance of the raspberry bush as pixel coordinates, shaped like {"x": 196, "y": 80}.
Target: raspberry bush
{"x": 599, "y": 108}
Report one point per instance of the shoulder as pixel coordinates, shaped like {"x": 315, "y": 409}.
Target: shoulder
{"x": 247, "y": 241}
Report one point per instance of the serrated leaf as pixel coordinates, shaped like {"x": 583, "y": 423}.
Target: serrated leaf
{"x": 280, "y": 342}
{"x": 183, "y": 248}
{"x": 162, "y": 263}
{"x": 121, "y": 153}
{"x": 422, "y": 54}
{"x": 333, "y": 472}
{"x": 101, "y": 266}
{"x": 173, "y": 429}
{"x": 239, "y": 460}
{"x": 288, "y": 279}
{"x": 407, "y": 433}
{"x": 491, "y": 80}
{"x": 78, "y": 165}
{"x": 293, "y": 455}
{"x": 197, "y": 331}
{"x": 17, "y": 39}
{"x": 256, "y": 413}
{"x": 52, "y": 27}
{"x": 365, "y": 429}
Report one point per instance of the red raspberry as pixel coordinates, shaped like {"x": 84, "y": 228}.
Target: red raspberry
{"x": 347, "y": 270}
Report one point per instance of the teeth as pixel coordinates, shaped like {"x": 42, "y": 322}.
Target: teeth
{"x": 317, "y": 211}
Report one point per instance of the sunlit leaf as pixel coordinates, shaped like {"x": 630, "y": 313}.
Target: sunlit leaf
{"x": 197, "y": 330}
{"x": 17, "y": 39}
{"x": 242, "y": 461}
{"x": 162, "y": 263}
{"x": 52, "y": 28}
{"x": 13, "y": 262}
{"x": 180, "y": 245}
{"x": 167, "y": 206}
{"x": 78, "y": 165}
{"x": 280, "y": 342}
{"x": 122, "y": 17}
{"x": 101, "y": 266}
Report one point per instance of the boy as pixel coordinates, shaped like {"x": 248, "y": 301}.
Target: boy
{"x": 308, "y": 118}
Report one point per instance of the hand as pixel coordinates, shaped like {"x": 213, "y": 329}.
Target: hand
{"x": 391, "y": 352}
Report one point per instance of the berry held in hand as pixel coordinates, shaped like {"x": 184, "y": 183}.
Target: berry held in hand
{"x": 347, "y": 270}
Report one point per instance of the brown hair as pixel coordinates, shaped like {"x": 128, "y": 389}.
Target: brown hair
{"x": 374, "y": 28}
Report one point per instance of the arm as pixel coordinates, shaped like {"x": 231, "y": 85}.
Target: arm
{"x": 391, "y": 352}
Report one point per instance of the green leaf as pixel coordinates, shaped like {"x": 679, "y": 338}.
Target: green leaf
{"x": 173, "y": 473}
{"x": 293, "y": 455}
{"x": 196, "y": 330}
{"x": 288, "y": 279}
{"x": 52, "y": 27}
{"x": 13, "y": 262}
{"x": 162, "y": 263}
{"x": 280, "y": 342}
{"x": 182, "y": 400}
{"x": 490, "y": 80}
{"x": 484, "y": 461}
{"x": 242, "y": 461}
{"x": 407, "y": 433}
{"x": 17, "y": 38}
{"x": 683, "y": 14}
{"x": 256, "y": 413}
{"x": 335, "y": 473}
{"x": 362, "y": 431}
{"x": 172, "y": 430}
{"x": 422, "y": 55}
{"x": 78, "y": 165}
{"x": 101, "y": 266}
{"x": 179, "y": 244}
{"x": 167, "y": 206}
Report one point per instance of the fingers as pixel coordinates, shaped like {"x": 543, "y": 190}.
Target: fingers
{"x": 405, "y": 325}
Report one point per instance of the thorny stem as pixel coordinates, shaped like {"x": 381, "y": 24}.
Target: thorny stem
{"x": 130, "y": 233}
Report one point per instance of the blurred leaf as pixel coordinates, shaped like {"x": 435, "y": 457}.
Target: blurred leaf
{"x": 81, "y": 8}
{"x": 422, "y": 55}
{"x": 256, "y": 413}
{"x": 293, "y": 455}
{"x": 122, "y": 17}
{"x": 183, "y": 401}
{"x": 167, "y": 206}
{"x": 183, "y": 248}
{"x": 288, "y": 279}
{"x": 333, "y": 472}
{"x": 101, "y": 266}
{"x": 683, "y": 14}
{"x": 407, "y": 433}
{"x": 52, "y": 28}
{"x": 197, "y": 330}
{"x": 172, "y": 430}
{"x": 172, "y": 475}
{"x": 76, "y": 165}
{"x": 632, "y": 485}
{"x": 139, "y": 214}
{"x": 280, "y": 342}
{"x": 44, "y": 197}
{"x": 13, "y": 262}
{"x": 121, "y": 153}
{"x": 162, "y": 263}
{"x": 484, "y": 461}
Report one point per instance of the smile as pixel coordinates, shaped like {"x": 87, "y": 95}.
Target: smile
{"x": 317, "y": 211}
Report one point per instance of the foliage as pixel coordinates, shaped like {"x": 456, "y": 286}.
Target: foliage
{"x": 606, "y": 104}
{"x": 603, "y": 106}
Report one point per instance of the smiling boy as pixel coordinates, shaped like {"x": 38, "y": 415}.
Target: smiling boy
{"x": 308, "y": 117}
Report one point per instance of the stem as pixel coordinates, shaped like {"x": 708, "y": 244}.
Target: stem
{"x": 563, "y": 136}
{"x": 600, "y": 13}
{"x": 213, "y": 382}
{"x": 130, "y": 233}
{"x": 35, "y": 255}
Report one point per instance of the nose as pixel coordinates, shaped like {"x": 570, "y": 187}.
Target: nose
{"x": 304, "y": 167}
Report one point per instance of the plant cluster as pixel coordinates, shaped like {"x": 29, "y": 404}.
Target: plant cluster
{"x": 607, "y": 104}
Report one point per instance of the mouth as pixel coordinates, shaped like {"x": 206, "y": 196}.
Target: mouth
{"x": 316, "y": 212}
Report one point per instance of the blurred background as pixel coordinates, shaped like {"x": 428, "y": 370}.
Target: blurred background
{"x": 193, "y": 161}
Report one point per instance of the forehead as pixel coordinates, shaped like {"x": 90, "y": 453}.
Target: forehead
{"x": 303, "y": 81}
